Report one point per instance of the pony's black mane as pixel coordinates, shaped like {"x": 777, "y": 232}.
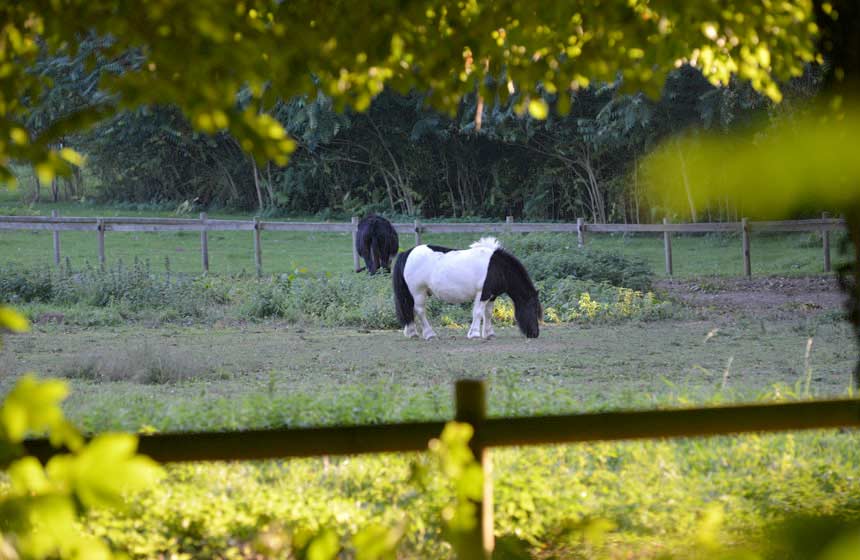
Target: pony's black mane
{"x": 376, "y": 242}
{"x": 507, "y": 275}
{"x": 439, "y": 249}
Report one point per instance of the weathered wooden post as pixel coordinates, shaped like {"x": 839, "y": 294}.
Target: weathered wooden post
{"x": 100, "y": 227}
{"x": 509, "y": 220}
{"x": 745, "y": 236}
{"x": 667, "y": 247}
{"x": 580, "y": 231}
{"x": 471, "y": 402}
{"x": 355, "y": 262}
{"x": 258, "y": 249}
{"x": 825, "y": 242}
{"x": 55, "y": 214}
{"x": 204, "y": 244}
{"x": 417, "y": 232}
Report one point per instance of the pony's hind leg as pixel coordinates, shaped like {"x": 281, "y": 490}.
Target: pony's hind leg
{"x": 410, "y": 331}
{"x": 421, "y": 313}
{"x": 487, "y": 327}
{"x": 477, "y": 317}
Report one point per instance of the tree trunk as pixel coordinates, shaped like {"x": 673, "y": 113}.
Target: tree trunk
{"x": 257, "y": 184}
{"x": 685, "y": 180}
{"x": 269, "y": 186}
{"x": 37, "y": 188}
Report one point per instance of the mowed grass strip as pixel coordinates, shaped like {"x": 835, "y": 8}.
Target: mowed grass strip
{"x": 284, "y": 252}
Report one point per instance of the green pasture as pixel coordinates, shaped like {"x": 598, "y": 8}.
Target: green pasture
{"x": 652, "y": 499}
{"x": 232, "y": 252}
{"x": 259, "y": 375}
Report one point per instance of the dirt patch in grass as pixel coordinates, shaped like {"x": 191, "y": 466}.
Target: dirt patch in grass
{"x": 770, "y": 297}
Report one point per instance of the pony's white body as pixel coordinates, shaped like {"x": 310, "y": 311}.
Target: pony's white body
{"x": 454, "y": 277}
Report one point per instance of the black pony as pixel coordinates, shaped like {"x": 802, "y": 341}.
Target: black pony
{"x": 376, "y": 242}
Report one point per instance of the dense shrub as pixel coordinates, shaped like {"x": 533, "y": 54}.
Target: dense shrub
{"x": 18, "y": 284}
{"x": 575, "y": 286}
{"x": 347, "y": 300}
{"x": 134, "y": 288}
{"x": 549, "y": 256}
{"x": 572, "y": 300}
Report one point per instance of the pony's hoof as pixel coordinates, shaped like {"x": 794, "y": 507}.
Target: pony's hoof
{"x": 473, "y": 335}
{"x": 490, "y": 336}
{"x": 429, "y": 335}
{"x": 410, "y": 332}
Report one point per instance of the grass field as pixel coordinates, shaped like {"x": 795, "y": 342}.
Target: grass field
{"x": 725, "y": 341}
{"x": 268, "y": 375}
{"x": 661, "y": 497}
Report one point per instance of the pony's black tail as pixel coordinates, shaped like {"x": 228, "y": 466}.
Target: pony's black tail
{"x": 403, "y": 302}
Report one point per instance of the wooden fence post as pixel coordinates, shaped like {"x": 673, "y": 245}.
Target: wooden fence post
{"x": 417, "y": 232}
{"x": 580, "y": 231}
{"x": 258, "y": 249}
{"x": 55, "y": 214}
{"x": 508, "y": 221}
{"x": 355, "y": 262}
{"x": 204, "y": 244}
{"x": 667, "y": 248}
{"x": 471, "y": 402}
{"x": 100, "y": 226}
{"x": 825, "y": 243}
{"x": 745, "y": 237}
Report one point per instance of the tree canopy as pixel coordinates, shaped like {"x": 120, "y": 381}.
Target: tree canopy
{"x": 201, "y": 57}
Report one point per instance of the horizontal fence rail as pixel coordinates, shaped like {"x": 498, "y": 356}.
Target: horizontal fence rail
{"x": 488, "y": 433}
{"x": 494, "y": 432}
{"x": 581, "y": 228}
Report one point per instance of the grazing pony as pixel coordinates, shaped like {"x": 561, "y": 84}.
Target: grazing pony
{"x": 478, "y": 274}
{"x": 377, "y": 242}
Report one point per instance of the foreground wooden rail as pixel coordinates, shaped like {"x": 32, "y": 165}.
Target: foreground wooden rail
{"x": 490, "y": 432}
{"x": 56, "y": 224}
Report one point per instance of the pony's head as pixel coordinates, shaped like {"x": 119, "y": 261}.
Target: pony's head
{"x": 528, "y": 313}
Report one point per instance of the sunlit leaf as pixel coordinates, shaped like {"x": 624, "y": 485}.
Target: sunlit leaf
{"x": 72, "y": 156}
{"x": 538, "y": 109}
{"x": 12, "y": 320}
{"x": 28, "y": 477}
{"x": 32, "y": 406}
{"x": 105, "y": 470}
{"x": 377, "y": 542}
{"x": 324, "y": 546}
{"x": 808, "y": 163}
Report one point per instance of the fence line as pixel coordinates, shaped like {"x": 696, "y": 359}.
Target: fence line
{"x": 470, "y": 404}
{"x": 56, "y": 224}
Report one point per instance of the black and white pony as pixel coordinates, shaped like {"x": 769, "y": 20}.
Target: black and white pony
{"x": 478, "y": 274}
{"x": 376, "y": 242}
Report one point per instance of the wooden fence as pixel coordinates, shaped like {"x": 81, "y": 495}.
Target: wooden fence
{"x": 56, "y": 224}
{"x": 490, "y": 432}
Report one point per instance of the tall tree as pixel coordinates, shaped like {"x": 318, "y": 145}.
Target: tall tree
{"x": 353, "y": 51}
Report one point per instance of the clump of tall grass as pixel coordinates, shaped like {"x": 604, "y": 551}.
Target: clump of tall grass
{"x": 146, "y": 363}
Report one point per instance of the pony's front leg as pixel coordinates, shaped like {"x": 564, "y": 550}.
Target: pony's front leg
{"x": 421, "y": 312}
{"x": 477, "y": 317}
{"x": 487, "y": 327}
{"x": 410, "y": 331}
